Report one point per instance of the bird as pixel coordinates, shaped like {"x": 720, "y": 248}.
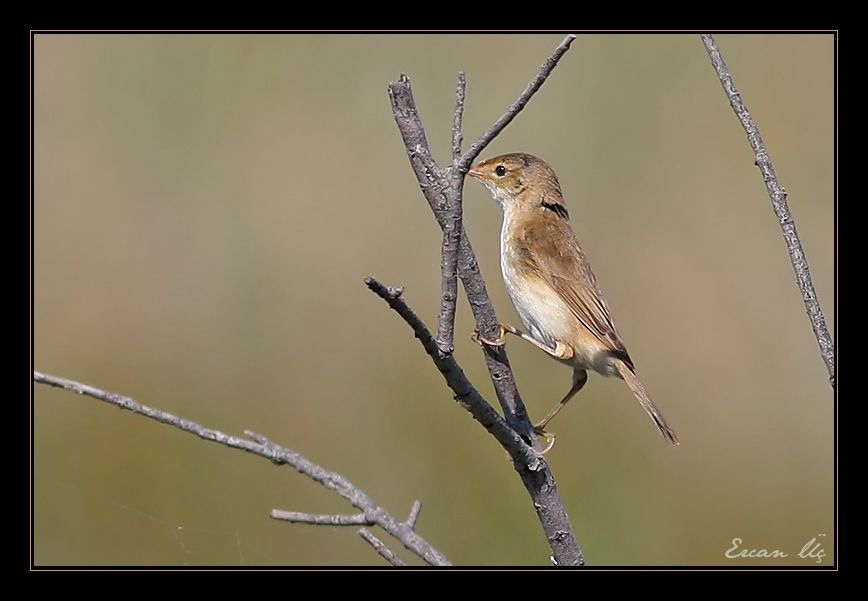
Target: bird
{"x": 550, "y": 282}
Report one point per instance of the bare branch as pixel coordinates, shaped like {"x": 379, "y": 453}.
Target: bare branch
{"x": 436, "y": 186}
{"x": 531, "y": 467}
{"x": 465, "y": 393}
{"x": 452, "y": 230}
{"x": 460, "y": 92}
{"x": 321, "y": 519}
{"x": 414, "y": 514}
{"x": 516, "y": 107}
{"x": 442, "y": 189}
{"x": 273, "y": 452}
{"x": 381, "y": 548}
{"x": 778, "y": 196}
{"x": 431, "y": 177}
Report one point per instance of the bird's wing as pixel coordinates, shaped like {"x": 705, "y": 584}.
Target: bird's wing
{"x": 550, "y": 249}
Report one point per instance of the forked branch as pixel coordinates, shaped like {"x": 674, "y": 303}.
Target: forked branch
{"x": 371, "y": 513}
{"x": 442, "y": 188}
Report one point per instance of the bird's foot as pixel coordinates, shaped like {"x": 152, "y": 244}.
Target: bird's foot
{"x": 499, "y": 341}
{"x": 545, "y": 440}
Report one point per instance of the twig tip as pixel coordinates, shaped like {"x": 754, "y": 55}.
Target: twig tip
{"x": 414, "y": 514}
{"x": 257, "y": 437}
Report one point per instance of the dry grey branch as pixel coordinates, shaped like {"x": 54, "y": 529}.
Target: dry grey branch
{"x": 435, "y": 185}
{"x": 380, "y": 547}
{"x": 442, "y": 189}
{"x": 321, "y": 519}
{"x": 452, "y": 230}
{"x": 457, "y": 135}
{"x": 263, "y": 447}
{"x": 414, "y": 514}
{"x": 465, "y": 393}
{"x": 778, "y": 196}
{"x": 532, "y": 468}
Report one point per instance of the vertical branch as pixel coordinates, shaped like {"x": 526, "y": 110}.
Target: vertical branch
{"x": 452, "y": 230}
{"x": 431, "y": 177}
{"x": 442, "y": 189}
{"x": 460, "y": 91}
{"x": 436, "y": 186}
{"x": 496, "y": 359}
{"x": 778, "y": 196}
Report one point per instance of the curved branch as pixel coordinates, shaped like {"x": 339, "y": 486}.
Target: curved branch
{"x": 778, "y": 196}
{"x": 261, "y": 446}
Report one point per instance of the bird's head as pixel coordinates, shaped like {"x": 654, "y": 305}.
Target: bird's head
{"x": 518, "y": 179}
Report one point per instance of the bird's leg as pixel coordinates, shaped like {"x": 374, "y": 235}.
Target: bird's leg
{"x": 580, "y": 376}
{"x": 561, "y": 350}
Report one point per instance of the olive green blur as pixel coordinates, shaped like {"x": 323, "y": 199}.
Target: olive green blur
{"x": 207, "y": 206}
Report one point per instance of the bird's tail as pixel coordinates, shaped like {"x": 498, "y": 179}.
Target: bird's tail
{"x": 646, "y": 402}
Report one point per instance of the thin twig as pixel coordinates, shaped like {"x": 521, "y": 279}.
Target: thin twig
{"x": 516, "y": 107}
{"x": 273, "y": 452}
{"x": 778, "y": 196}
{"x": 414, "y": 514}
{"x": 531, "y": 467}
{"x": 321, "y": 519}
{"x": 457, "y": 135}
{"x": 380, "y": 547}
{"x": 452, "y": 230}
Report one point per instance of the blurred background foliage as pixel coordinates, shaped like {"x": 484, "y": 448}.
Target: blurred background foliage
{"x": 207, "y": 206}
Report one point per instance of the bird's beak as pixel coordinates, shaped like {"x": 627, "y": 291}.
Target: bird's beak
{"x": 474, "y": 173}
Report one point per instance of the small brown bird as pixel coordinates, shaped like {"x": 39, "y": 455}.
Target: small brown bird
{"x": 551, "y": 283}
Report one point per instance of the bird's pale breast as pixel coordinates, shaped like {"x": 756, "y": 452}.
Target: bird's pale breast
{"x": 545, "y": 315}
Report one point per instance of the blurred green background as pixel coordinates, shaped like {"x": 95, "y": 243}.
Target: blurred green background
{"x": 206, "y": 207}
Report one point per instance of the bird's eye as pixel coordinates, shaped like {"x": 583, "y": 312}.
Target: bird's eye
{"x": 500, "y": 171}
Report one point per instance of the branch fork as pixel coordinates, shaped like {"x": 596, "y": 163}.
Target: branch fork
{"x": 443, "y": 189}
{"x": 371, "y": 514}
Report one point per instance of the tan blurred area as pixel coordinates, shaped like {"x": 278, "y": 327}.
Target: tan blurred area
{"x": 207, "y": 206}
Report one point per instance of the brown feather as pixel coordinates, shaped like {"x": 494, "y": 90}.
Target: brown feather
{"x": 549, "y": 279}
{"x": 550, "y": 250}
{"x": 648, "y": 405}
